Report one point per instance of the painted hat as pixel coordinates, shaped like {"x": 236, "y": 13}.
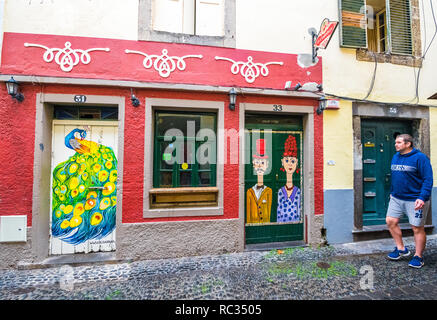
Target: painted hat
{"x": 260, "y": 149}
{"x": 290, "y": 147}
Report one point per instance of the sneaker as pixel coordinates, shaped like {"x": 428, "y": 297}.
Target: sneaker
{"x": 416, "y": 262}
{"x": 397, "y": 254}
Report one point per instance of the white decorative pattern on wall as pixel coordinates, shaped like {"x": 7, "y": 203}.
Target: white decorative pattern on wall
{"x": 164, "y": 64}
{"x": 249, "y": 70}
{"x": 66, "y": 58}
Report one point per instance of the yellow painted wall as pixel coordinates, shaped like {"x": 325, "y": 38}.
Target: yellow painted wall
{"x": 433, "y": 137}
{"x": 338, "y": 147}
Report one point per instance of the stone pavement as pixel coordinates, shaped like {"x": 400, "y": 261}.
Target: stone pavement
{"x": 348, "y": 271}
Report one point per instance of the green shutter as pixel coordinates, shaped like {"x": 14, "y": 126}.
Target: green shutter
{"x": 399, "y": 26}
{"x": 352, "y": 13}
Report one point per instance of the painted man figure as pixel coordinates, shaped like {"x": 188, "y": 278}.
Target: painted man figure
{"x": 259, "y": 197}
{"x": 411, "y": 185}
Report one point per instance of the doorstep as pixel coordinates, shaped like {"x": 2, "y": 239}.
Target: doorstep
{"x": 76, "y": 259}
{"x": 381, "y": 232}
{"x": 274, "y": 245}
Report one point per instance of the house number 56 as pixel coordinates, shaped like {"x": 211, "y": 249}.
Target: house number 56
{"x": 277, "y": 107}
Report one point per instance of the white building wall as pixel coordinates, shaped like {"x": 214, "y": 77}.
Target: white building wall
{"x": 117, "y": 19}
{"x": 265, "y": 25}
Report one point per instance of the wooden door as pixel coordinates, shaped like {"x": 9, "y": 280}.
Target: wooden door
{"x": 272, "y": 213}
{"x": 84, "y": 186}
{"x": 378, "y": 140}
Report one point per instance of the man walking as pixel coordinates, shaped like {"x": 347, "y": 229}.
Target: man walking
{"x": 411, "y": 184}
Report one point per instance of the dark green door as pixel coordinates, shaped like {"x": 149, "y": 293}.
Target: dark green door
{"x": 378, "y": 139}
{"x": 279, "y": 136}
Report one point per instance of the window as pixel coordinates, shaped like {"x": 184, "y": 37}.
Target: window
{"x": 68, "y": 112}
{"x": 184, "y": 149}
{"x": 197, "y": 17}
{"x": 380, "y": 25}
{"x": 201, "y": 22}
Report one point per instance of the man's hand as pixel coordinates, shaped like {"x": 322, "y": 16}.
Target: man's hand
{"x": 419, "y": 204}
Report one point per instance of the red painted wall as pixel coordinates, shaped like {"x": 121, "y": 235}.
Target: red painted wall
{"x": 117, "y": 65}
{"x": 17, "y": 136}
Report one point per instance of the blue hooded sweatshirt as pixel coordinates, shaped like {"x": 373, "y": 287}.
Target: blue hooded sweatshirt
{"x": 411, "y": 176}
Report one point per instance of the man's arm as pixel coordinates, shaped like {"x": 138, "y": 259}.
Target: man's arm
{"x": 426, "y": 173}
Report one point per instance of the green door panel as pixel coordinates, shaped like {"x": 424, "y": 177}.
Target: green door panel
{"x": 378, "y": 139}
{"x": 275, "y": 131}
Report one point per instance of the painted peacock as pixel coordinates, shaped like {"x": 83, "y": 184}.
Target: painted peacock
{"x": 84, "y": 191}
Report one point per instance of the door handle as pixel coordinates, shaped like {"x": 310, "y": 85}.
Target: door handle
{"x": 387, "y": 177}
{"x": 97, "y": 188}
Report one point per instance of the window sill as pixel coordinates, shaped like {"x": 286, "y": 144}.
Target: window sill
{"x": 403, "y": 60}
{"x": 176, "y": 202}
{"x": 171, "y": 37}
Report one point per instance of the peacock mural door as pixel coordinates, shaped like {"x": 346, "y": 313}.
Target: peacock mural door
{"x": 84, "y": 186}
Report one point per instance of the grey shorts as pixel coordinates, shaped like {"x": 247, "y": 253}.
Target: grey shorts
{"x": 397, "y": 208}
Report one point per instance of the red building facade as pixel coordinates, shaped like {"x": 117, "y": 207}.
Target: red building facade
{"x": 155, "y": 220}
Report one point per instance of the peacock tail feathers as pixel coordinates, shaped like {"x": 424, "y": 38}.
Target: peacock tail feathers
{"x": 80, "y": 213}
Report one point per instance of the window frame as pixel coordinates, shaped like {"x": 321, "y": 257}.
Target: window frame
{"x": 207, "y": 208}
{"x": 412, "y": 60}
{"x": 378, "y": 27}
{"x": 176, "y": 167}
{"x": 147, "y": 33}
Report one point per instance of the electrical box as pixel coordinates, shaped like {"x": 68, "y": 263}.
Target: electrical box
{"x": 13, "y": 228}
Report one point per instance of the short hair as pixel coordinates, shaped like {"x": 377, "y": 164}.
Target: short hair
{"x": 407, "y": 138}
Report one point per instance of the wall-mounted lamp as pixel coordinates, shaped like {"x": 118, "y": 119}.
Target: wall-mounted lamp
{"x": 297, "y": 87}
{"x": 133, "y": 99}
{"x": 12, "y": 87}
{"x": 322, "y": 105}
{"x": 232, "y": 99}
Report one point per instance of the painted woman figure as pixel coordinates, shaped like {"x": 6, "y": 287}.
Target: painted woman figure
{"x": 289, "y": 196}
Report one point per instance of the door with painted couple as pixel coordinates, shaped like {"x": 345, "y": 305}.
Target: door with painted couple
{"x": 273, "y": 179}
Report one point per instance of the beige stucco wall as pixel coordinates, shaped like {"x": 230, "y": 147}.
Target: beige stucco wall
{"x": 338, "y": 147}
{"x": 433, "y": 138}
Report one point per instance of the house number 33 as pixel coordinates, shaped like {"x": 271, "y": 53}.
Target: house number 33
{"x": 277, "y": 107}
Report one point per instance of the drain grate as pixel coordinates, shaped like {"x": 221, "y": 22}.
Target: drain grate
{"x": 323, "y": 265}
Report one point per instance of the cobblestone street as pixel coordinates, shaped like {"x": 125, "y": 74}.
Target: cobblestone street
{"x": 300, "y": 273}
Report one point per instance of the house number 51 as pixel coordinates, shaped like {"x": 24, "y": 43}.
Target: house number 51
{"x": 80, "y": 99}
{"x": 277, "y": 107}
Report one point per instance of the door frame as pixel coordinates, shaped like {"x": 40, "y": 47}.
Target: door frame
{"x": 382, "y": 126}
{"x": 82, "y": 122}
{"x": 42, "y": 163}
{"x": 420, "y": 119}
{"x": 307, "y": 113}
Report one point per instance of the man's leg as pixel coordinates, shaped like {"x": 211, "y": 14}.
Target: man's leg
{"x": 395, "y": 231}
{"x": 420, "y": 240}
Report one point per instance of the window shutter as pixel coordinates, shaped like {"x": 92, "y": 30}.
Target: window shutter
{"x": 210, "y": 17}
{"x": 352, "y": 15}
{"x": 399, "y": 26}
{"x": 168, "y": 15}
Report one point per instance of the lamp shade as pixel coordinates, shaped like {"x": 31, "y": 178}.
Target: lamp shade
{"x": 232, "y": 98}
{"x": 12, "y": 86}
